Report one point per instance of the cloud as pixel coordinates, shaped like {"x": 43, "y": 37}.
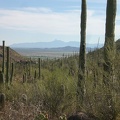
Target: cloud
{"x": 97, "y": 1}
{"x": 44, "y": 22}
{"x": 47, "y": 21}
{"x": 37, "y": 9}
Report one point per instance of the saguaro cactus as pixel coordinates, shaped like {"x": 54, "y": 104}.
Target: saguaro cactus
{"x": 30, "y": 67}
{"x": 7, "y": 66}
{"x": 1, "y": 77}
{"x": 82, "y": 56}
{"x": 62, "y": 90}
{"x": 39, "y": 62}
{"x": 109, "y": 46}
{"x": 35, "y": 75}
{"x": 109, "y": 57}
{"x": 24, "y": 78}
{"x": 1, "y": 80}
{"x": 3, "y": 64}
{"x": 12, "y": 73}
{"x": 2, "y": 101}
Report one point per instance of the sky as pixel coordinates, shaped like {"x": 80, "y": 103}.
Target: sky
{"x": 23, "y": 21}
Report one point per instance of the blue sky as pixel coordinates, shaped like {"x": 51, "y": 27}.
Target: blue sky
{"x": 46, "y": 20}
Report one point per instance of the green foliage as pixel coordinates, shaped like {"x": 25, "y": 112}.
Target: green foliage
{"x": 41, "y": 116}
{"x": 55, "y": 92}
{"x": 58, "y": 91}
{"x": 63, "y": 117}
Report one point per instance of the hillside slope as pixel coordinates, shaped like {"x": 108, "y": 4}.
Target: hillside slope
{"x": 98, "y": 54}
{"x": 118, "y": 45}
{"x": 13, "y": 54}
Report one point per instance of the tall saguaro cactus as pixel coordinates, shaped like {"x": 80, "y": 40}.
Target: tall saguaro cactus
{"x": 12, "y": 73}
{"x": 3, "y": 65}
{"x": 109, "y": 57}
{"x": 109, "y": 47}
{"x": 39, "y": 62}
{"x": 2, "y": 100}
{"x": 7, "y": 66}
{"x": 30, "y": 67}
{"x": 82, "y": 55}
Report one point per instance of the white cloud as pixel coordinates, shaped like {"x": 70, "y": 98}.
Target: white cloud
{"x": 38, "y": 9}
{"x": 44, "y": 20}
{"x": 96, "y": 1}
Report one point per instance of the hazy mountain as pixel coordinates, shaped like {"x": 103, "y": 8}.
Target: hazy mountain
{"x": 51, "y": 52}
{"x": 53, "y": 44}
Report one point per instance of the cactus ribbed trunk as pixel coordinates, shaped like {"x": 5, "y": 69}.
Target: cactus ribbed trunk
{"x": 3, "y": 65}
{"x": 109, "y": 46}
{"x": 82, "y": 56}
{"x": 7, "y": 66}
{"x": 35, "y": 75}
{"x": 30, "y": 67}
{"x": 39, "y": 61}
{"x": 2, "y": 100}
{"x": 1, "y": 77}
{"x": 109, "y": 57}
{"x": 12, "y": 73}
{"x": 24, "y": 77}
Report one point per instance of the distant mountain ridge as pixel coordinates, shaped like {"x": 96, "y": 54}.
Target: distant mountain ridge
{"x": 51, "y": 52}
{"x": 53, "y": 44}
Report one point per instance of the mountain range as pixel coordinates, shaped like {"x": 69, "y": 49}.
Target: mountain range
{"x": 53, "y": 44}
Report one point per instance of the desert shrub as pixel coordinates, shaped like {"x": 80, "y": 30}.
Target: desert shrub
{"x": 55, "y": 92}
{"x": 59, "y": 92}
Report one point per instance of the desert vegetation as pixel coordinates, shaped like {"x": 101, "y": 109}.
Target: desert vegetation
{"x": 49, "y": 87}
{"x": 76, "y": 87}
